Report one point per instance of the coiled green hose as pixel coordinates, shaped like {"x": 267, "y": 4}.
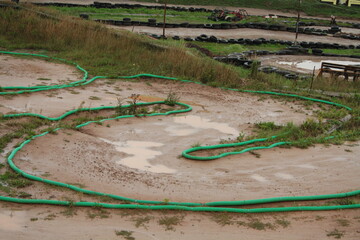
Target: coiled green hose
{"x": 159, "y": 205}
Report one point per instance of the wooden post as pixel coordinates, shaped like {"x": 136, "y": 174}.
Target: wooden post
{"x": 312, "y": 79}
{"x": 164, "y": 20}
{"x": 297, "y": 23}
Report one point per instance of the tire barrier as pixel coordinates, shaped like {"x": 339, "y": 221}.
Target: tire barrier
{"x": 265, "y": 26}
{"x": 181, "y": 9}
{"x": 310, "y": 31}
{"x": 302, "y": 48}
{"x": 220, "y": 206}
{"x": 126, "y": 6}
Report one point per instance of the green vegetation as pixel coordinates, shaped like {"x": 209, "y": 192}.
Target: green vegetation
{"x": 125, "y": 234}
{"x": 143, "y": 14}
{"x": 224, "y": 219}
{"x": 12, "y": 179}
{"x": 258, "y": 225}
{"x": 94, "y": 98}
{"x": 170, "y": 222}
{"x": 172, "y": 98}
{"x": 19, "y": 129}
{"x": 102, "y": 51}
{"x": 105, "y": 52}
{"x": 310, "y": 7}
{"x": 336, "y": 234}
{"x": 142, "y": 221}
{"x": 343, "y": 222}
{"x": 282, "y": 222}
{"x": 98, "y": 212}
{"x": 70, "y": 211}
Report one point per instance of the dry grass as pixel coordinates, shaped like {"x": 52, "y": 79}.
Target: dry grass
{"x": 104, "y": 52}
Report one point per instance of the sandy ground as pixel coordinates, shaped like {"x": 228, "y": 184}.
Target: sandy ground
{"x": 18, "y": 72}
{"x": 31, "y": 222}
{"x": 139, "y": 158}
{"x": 237, "y": 33}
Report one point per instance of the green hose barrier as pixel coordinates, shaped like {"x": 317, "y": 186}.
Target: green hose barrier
{"x": 160, "y": 205}
{"x": 174, "y": 207}
{"x": 187, "y": 151}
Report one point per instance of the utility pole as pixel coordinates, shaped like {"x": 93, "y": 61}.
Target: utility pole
{"x": 164, "y": 19}
{"x": 164, "y": 23}
{"x": 297, "y": 22}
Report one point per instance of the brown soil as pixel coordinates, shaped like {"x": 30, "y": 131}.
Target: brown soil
{"x": 22, "y": 72}
{"x": 94, "y": 157}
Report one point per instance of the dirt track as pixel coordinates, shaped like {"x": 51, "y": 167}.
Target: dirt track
{"x": 237, "y": 33}
{"x": 101, "y": 158}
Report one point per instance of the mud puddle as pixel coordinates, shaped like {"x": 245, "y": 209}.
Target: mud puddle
{"x": 310, "y": 65}
{"x": 140, "y": 153}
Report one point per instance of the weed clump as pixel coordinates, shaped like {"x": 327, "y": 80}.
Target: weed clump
{"x": 172, "y": 98}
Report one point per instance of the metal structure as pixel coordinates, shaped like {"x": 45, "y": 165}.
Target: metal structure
{"x": 227, "y": 15}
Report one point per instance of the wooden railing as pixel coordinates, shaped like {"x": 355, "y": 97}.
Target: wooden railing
{"x": 337, "y": 70}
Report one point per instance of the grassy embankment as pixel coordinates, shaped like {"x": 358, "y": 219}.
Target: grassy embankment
{"x": 143, "y": 14}
{"x": 310, "y": 7}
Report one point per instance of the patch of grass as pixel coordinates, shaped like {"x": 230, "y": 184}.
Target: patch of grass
{"x": 258, "y": 225}
{"x": 343, "y": 222}
{"x": 43, "y": 79}
{"x": 336, "y": 234}
{"x": 257, "y": 155}
{"x": 94, "y": 98}
{"x": 223, "y": 219}
{"x": 34, "y": 219}
{"x": 125, "y": 234}
{"x": 195, "y": 145}
{"x": 342, "y": 201}
{"x": 50, "y": 217}
{"x": 170, "y": 222}
{"x": 319, "y": 218}
{"x": 70, "y": 211}
{"x": 141, "y": 221}
{"x": 98, "y": 212}
{"x": 282, "y": 222}
{"x": 20, "y": 129}
{"x": 172, "y": 98}
{"x": 14, "y": 180}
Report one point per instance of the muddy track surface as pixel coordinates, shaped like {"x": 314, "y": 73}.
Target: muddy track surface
{"x": 236, "y": 33}
{"x": 139, "y": 158}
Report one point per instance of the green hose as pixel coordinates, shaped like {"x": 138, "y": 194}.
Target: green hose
{"x": 159, "y": 205}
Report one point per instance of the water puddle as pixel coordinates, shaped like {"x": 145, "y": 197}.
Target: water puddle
{"x": 140, "y": 153}
{"x": 284, "y": 176}
{"x": 259, "y": 178}
{"x": 309, "y": 65}
{"x": 12, "y": 220}
{"x": 202, "y": 123}
{"x": 179, "y": 131}
{"x": 15, "y": 108}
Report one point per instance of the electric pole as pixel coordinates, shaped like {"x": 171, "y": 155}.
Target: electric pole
{"x": 297, "y": 22}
